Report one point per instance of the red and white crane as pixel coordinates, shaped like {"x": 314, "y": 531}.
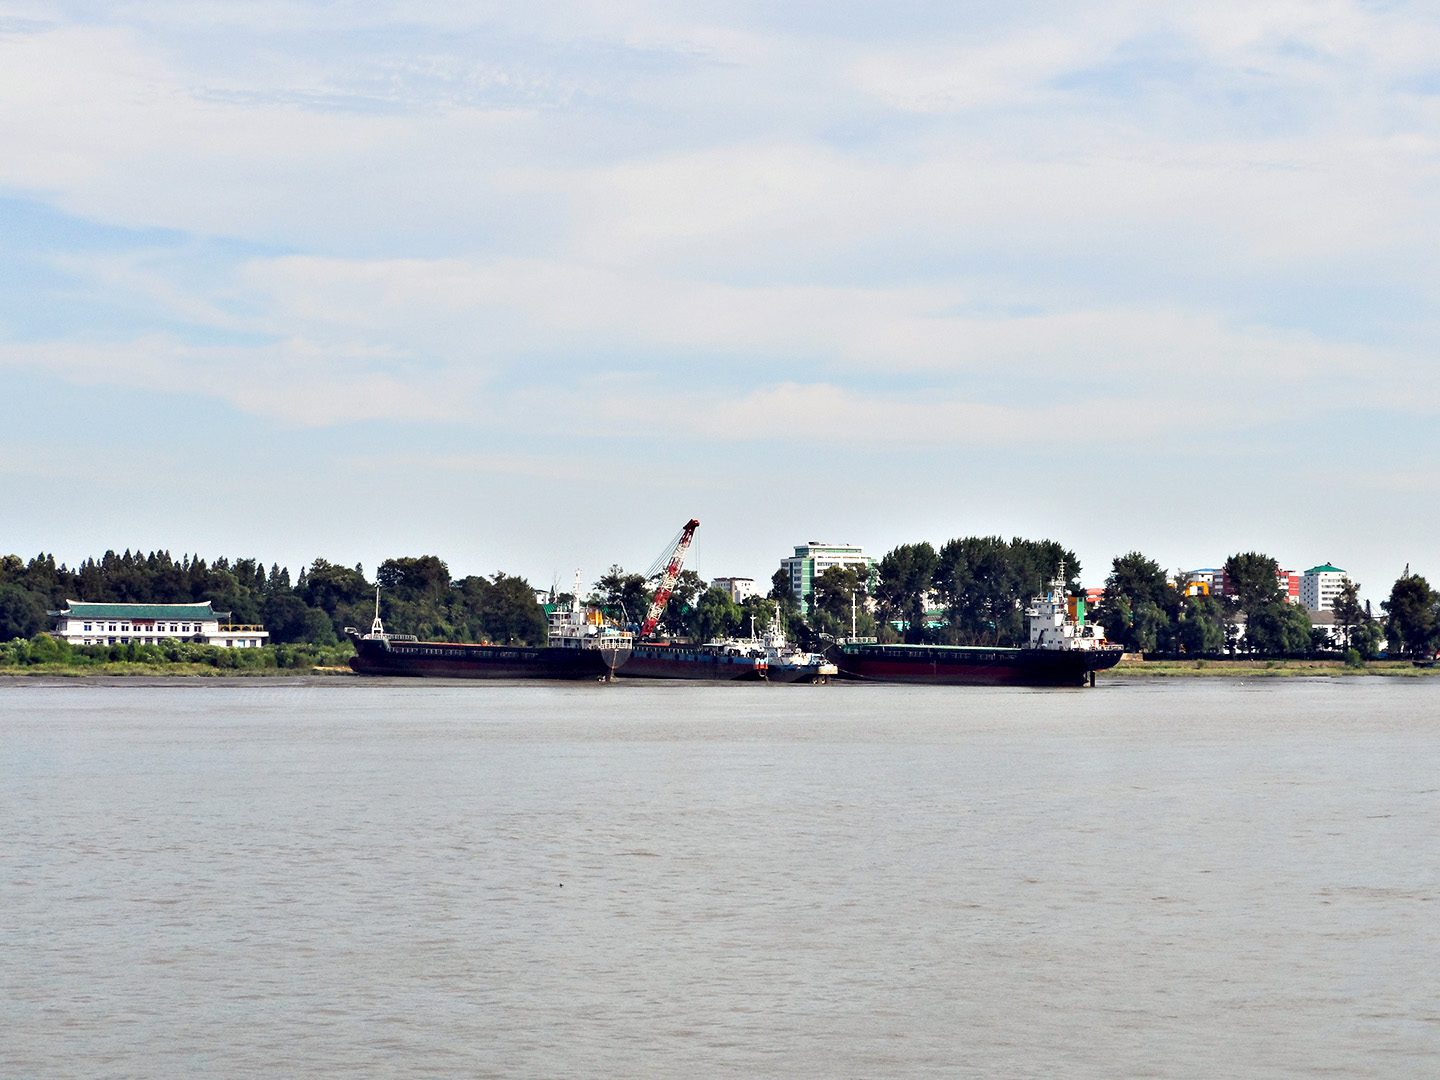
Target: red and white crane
{"x": 668, "y": 577}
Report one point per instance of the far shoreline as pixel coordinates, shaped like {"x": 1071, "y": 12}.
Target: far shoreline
{"x": 1134, "y": 667}
{"x": 1129, "y": 668}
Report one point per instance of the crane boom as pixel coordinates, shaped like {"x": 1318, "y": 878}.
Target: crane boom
{"x": 668, "y": 577}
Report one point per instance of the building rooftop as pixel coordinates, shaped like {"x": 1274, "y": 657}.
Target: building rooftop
{"x": 1326, "y": 569}
{"x": 81, "y": 609}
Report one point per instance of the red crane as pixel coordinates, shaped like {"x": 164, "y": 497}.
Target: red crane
{"x": 668, "y": 577}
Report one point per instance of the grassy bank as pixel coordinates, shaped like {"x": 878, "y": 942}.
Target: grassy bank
{"x": 167, "y": 671}
{"x": 44, "y": 655}
{"x": 1266, "y": 669}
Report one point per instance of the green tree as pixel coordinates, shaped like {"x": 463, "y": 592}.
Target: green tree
{"x": 288, "y": 619}
{"x": 22, "y": 613}
{"x": 623, "y": 597}
{"x": 839, "y": 594}
{"x": 1136, "y": 608}
{"x": 716, "y": 615}
{"x": 986, "y": 582}
{"x": 784, "y": 595}
{"x": 1349, "y": 612}
{"x": 1278, "y": 628}
{"x": 341, "y": 593}
{"x": 905, "y": 576}
{"x": 1412, "y": 620}
{"x": 512, "y": 614}
{"x": 416, "y": 596}
{"x": 1200, "y": 626}
{"x": 1367, "y": 638}
{"x": 1253, "y": 580}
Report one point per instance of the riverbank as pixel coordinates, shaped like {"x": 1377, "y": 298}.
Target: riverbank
{"x": 1265, "y": 669}
{"x": 134, "y": 670}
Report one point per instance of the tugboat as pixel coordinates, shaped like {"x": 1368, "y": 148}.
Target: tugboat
{"x": 788, "y": 663}
{"x": 580, "y": 645}
{"x": 1063, "y": 650}
{"x": 785, "y": 662}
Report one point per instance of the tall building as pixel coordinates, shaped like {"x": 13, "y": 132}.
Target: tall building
{"x": 814, "y": 558}
{"x": 1320, "y": 586}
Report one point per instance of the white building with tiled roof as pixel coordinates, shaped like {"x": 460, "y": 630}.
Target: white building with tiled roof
{"x": 82, "y": 623}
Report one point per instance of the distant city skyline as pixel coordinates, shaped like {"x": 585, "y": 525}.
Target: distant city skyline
{"x": 526, "y": 289}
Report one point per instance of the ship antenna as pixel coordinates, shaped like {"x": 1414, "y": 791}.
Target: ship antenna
{"x": 377, "y": 628}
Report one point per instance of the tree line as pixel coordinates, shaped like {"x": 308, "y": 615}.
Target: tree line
{"x": 1146, "y": 610}
{"x": 968, "y": 591}
{"x": 419, "y": 595}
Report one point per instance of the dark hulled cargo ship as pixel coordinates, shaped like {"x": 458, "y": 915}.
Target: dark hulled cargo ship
{"x": 1062, "y": 651}
{"x": 713, "y": 661}
{"x": 580, "y": 645}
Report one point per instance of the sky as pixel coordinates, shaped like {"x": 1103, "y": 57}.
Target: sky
{"x": 528, "y": 286}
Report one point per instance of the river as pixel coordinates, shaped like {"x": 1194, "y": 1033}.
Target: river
{"x": 345, "y": 877}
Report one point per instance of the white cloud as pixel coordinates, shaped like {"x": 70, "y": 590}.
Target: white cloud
{"x": 292, "y": 382}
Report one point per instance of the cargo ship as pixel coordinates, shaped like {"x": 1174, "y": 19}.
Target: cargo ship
{"x": 1063, "y": 650}
{"x": 580, "y": 644}
{"x": 714, "y": 661}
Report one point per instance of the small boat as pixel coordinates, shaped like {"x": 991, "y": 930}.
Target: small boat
{"x": 786, "y": 662}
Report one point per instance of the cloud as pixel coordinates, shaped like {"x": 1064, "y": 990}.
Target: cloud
{"x": 293, "y": 382}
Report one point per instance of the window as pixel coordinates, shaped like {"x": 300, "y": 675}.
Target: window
{"x": 87, "y": 628}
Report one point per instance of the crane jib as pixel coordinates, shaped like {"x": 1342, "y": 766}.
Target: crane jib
{"x": 669, "y": 577}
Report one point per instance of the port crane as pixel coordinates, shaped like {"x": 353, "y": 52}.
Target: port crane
{"x": 668, "y": 576}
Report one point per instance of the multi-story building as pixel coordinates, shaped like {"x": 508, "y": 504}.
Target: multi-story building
{"x": 740, "y": 589}
{"x": 814, "y": 558}
{"x": 1320, "y": 586}
{"x": 82, "y": 623}
{"x": 1207, "y": 582}
{"x": 1290, "y": 585}
{"x": 1215, "y": 582}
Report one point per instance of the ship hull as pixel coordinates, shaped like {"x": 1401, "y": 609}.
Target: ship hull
{"x": 688, "y": 662}
{"x": 794, "y": 673}
{"x": 969, "y": 666}
{"x": 455, "y": 660}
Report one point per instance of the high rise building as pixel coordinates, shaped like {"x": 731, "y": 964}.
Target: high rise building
{"x": 1319, "y": 587}
{"x": 814, "y": 558}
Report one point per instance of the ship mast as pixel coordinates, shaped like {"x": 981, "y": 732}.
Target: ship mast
{"x": 377, "y": 628}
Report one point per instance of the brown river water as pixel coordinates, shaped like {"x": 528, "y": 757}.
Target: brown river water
{"x": 1194, "y": 878}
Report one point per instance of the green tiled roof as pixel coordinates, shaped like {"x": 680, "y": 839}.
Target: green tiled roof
{"x": 1326, "y": 569}
{"x": 78, "y": 609}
